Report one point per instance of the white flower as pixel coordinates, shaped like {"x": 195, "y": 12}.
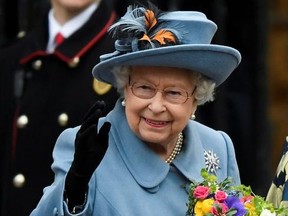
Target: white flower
{"x": 267, "y": 212}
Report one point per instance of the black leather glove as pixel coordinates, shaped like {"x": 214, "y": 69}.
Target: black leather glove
{"x": 90, "y": 148}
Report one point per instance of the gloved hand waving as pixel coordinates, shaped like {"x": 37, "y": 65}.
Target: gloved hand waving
{"x": 90, "y": 148}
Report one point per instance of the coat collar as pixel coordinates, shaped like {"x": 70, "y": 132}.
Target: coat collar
{"x": 145, "y": 166}
{"x": 78, "y": 43}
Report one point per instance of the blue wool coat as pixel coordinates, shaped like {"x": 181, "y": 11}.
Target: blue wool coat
{"x": 133, "y": 180}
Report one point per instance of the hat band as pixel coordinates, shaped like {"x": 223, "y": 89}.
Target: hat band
{"x": 130, "y": 45}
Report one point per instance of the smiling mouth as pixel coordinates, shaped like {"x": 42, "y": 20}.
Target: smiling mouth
{"x": 155, "y": 123}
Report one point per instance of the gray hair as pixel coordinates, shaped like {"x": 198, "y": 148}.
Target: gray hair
{"x": 203, "y": 93}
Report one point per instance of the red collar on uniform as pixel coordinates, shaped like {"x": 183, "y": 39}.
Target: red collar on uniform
{"x": 80, "y": 52}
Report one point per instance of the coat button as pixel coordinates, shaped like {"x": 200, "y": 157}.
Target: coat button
{"x": 75, "y": 61}
{"x": 63, "y": 119}
{"x": 37, "y": 64}
{"x": 22, "y": 121}
{"x": 19, "y": 180}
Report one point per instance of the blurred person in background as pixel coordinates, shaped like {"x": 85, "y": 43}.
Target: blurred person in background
{"x": 278, "y": 191}
{"x": 47, "y": 86}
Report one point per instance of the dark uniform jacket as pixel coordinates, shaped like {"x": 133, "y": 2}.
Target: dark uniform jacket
{"x": 41, "y": 94}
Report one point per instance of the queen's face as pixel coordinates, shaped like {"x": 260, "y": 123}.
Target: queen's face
{"x": 156, "y": 120}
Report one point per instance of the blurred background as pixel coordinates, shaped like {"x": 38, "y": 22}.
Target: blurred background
{"x": 252, "y": 106}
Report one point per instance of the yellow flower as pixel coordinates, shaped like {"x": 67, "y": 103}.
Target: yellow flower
{"x": 251, "y": 209}
{"x": 203, "y": 207}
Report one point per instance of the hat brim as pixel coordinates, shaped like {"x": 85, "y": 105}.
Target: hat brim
{"x": 214, "y": 61}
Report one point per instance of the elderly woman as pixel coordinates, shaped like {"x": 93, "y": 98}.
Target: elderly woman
{"x": 138, "y": 159}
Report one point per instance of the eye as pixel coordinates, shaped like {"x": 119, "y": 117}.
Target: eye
{"x": 144, "y": 87}
{"x": 175, "y": 92}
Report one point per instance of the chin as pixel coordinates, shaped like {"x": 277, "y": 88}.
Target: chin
{"x": 153, "y": 138}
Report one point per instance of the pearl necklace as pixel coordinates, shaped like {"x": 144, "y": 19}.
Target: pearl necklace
{"x": 176, "y": 149}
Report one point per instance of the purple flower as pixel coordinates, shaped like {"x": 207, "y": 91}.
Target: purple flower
{"x": 234, "y": 202}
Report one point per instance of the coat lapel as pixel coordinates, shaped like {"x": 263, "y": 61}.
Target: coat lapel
{"x": 144, "y": 165}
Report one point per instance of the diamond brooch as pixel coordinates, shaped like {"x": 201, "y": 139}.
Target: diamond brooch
{"x": 211, "y": 161}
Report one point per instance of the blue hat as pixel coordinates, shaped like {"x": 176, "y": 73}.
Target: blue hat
{"x": 182, "y": 39}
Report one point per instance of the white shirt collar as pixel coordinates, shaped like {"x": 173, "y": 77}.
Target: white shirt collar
{"x": 69, "y": 27}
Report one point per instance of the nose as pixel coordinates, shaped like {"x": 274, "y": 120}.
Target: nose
{"x": 157, "y": 103}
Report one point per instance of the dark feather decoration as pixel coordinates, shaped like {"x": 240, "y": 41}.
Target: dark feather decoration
{"x": 142, "y": 28}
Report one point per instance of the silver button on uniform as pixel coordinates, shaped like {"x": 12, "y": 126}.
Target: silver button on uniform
{"x": 21, "y": 34}
{"x": 22, "y": 121}
{"x": 74, "y": 63}
{"x": 63, "y": 119}
{"x": 19, "y": 180}
{"x": 37, "y": 64}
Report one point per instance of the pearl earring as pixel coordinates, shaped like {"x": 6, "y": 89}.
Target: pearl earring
{"x": 123, "y": 103}
{"x": 192, "y": 117}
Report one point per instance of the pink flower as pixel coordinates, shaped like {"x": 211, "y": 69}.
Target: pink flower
{"x": 201, "y": 192}
{"x": 220, "y": 196}
{"x": 223, "y": 207}
{"x": 246, "y": 199}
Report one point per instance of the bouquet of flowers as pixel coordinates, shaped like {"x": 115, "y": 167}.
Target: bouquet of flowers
{"x": 211, "y": 198}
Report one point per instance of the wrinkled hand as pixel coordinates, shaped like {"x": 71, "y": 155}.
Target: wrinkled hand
{"x": 90, "y": 148}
